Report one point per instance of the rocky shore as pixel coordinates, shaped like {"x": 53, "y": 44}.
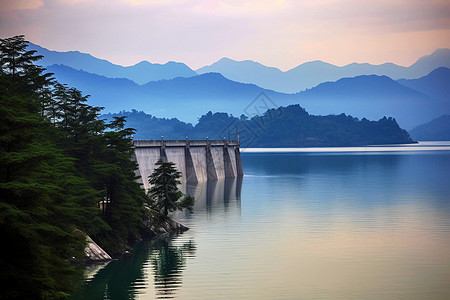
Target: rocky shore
{"x": 153, "y": 227}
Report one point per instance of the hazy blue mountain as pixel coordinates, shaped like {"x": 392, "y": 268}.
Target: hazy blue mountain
{"x": 110, "y": 93}
{"x": 372, "y": 97}
{"x": 436, "y": 130}
{"x": 436, "y": 84}
{"x": 310, "y": 74}
{"x": 428, "y": 63}
{"x": 183, "y": 98}
{"x": 140, "y": 73}
{"x": 248, "y": 72}
{"x": 304, "y": 76}
{"x": 313, "y": 73}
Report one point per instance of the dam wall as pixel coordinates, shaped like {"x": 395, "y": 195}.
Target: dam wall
{"x": 197, "y": 160}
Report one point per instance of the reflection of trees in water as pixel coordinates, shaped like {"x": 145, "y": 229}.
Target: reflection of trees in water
{"x": 168, "y": 261}
{"x": 124, "y": 278}
{"x": 120, "y": 279}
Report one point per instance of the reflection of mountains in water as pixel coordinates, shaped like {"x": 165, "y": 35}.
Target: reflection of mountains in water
{"x": 215, "y": 194}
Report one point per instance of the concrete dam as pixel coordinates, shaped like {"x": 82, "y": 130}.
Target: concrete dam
{"x": 197, "y": 160}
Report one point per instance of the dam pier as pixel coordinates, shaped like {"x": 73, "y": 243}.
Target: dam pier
{"x": 197, "y": 160}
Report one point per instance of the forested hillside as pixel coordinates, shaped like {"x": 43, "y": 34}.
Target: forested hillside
{"x": 289, "y": 126}
{"x": 58, "y": 163}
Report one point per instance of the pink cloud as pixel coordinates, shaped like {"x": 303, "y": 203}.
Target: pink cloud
{"x": 9, "y": 5}
{"x": 280, "y": 33}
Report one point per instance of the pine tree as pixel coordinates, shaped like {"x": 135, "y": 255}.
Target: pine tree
{"x": 164, "y": 194}
{"x": 36, "y": 214}
{"x": 125, "y": 199}
{"x": 58, "y": 163}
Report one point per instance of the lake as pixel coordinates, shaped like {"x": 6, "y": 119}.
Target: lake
{"x": 323, "y": 223}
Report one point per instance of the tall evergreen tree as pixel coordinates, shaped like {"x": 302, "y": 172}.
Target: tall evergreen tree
{"x": 103, "y": 156}
{"x": 164, "y": 194}
{"x": 35, "y": 211}
{"x": 115, "y": 174}
{"x": 58, "y": 163}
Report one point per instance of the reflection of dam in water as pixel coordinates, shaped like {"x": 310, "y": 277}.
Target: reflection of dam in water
{"x": 214, "y": 194}
{"x": 198, "y": 161}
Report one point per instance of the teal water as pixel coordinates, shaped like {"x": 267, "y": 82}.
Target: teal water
{"x": 303, "y": 225}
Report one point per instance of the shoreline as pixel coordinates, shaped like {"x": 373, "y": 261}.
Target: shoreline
{"x": 154, "y": 228}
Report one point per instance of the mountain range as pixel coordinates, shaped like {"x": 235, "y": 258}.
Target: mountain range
{"x": 297, "y": 79}
{"x": 370, "y": 96}
{"x": 435, "y": 130}
{"x": 140, "y": 73}
{"x": 310, "y": 74}
{"x": 411, "y": 101}
{"x": 436, "y": 84}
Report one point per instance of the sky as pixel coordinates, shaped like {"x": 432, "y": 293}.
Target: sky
{"x": 278, "y": 33}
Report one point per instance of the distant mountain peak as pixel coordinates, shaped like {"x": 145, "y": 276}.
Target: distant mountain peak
{"x": 358, "y": 81}
{"x": 441, "y": 51}
{"x": 143, "y": 63}
{"x": 440, "y": 56}
{"x": 226, "y": 59}
{"x": 309, "y": 74}
{"x": 436, "y": 84}
{"x": 312, "y": 63}
{"x": 174, "y": 63}
{"x": 227, "y": 62}
{"x": 441, "y": 71}
{"x": 212, "y": 75}
{"x": 140, "y": 73}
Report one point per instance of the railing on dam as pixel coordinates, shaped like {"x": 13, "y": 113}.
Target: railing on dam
{"x": 184, "y": 143}
{"x": 197, "y": 160}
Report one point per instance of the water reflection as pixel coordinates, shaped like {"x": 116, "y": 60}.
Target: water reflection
{"x": 364, "y": 181}
{"x": 163, "y": 259}
{"x": 120, "y": 279}
{"x": 168, "y": 261}
{"x": 274, "y": 164}
{"x": 126, "y": 278}
{"x": 310, "y": 226}
{"x": 213, "y": 194}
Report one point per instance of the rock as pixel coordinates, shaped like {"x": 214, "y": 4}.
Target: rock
{"x": 156, "y": 226}
{"x": 94, "y": 253}
{"x": 174, "y": 225}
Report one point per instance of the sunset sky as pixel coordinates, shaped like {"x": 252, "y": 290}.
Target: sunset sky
{"x": 279, "y": 33}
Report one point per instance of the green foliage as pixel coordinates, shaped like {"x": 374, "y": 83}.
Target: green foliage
{"x": 164, "y": 195}
{"x": 289, "y": 126}
{"x": 35, "y": 211}
{"x": 58, "y": 162}
{"x": 102, "y": 152}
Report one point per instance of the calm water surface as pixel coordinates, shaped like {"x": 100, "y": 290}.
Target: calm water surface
{"x": 323, "y": 224}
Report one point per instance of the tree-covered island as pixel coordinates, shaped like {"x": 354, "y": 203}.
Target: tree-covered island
{"x": 290, "y": 126}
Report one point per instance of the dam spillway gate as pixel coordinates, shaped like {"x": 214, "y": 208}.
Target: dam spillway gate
{"x": 197, "y": 160}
